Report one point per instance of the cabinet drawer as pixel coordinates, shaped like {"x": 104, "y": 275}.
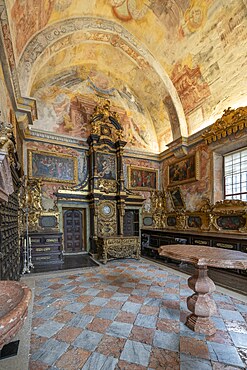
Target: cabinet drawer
{"x": 225, "y": 245}
{"x": 201, "y": 241}
{"x": 45, "y": 259}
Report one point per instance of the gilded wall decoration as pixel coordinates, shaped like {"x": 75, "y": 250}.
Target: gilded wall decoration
{"x": 232, "y": 121}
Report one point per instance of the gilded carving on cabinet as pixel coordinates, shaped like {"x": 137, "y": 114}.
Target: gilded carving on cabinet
{"x": 30, "y": 203}
{"x": 119, "y": 247}
{"x": 107, "y": 186}
{"x": 107, "y": 222}
{"x": 229, "y": 216}
{"x": 225, "y": 216}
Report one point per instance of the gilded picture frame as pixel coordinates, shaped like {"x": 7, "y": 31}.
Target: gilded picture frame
{"x": 184, "y": 170}
{"x": 142, "y": 178}
{"x": 52, "y": 167}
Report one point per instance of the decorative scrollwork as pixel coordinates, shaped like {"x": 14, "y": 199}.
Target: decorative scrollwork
{"x": 232, "y": 121}
{"x": 119, "y": 247}
{"x": 107, "y": 186}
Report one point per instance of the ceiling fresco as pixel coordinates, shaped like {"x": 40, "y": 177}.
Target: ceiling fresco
{"x": 169, "y": 67}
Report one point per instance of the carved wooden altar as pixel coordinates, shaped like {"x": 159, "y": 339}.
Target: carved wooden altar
{"x": 107, "y": 194}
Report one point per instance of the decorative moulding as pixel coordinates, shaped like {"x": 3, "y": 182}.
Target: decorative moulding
{"x": 232, "y": 121}
{"x": 179, "y": 147}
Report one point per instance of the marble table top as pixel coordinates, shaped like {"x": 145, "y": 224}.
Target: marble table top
{"x": 205, "y": 256}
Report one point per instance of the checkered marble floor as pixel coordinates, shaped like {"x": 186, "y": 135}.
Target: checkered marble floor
{"x": 130, "y": 315}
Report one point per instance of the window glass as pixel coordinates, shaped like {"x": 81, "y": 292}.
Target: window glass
{"x": 235, "y": 175}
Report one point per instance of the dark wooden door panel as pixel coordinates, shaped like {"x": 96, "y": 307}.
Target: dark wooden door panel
{"x": 73, "y": 231}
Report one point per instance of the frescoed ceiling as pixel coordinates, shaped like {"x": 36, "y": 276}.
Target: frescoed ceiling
{"x": 169, "y": 67}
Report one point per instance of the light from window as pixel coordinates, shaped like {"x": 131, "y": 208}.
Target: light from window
{"x": 235, "y": 175}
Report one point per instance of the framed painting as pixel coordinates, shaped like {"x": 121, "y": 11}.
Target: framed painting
{"x": 184, "y": 170}
{"x": 176, "y": 198}
{"x": 52, "y": 167}
{"x": 106, "y": 165}
{"x": 142, "y": 178}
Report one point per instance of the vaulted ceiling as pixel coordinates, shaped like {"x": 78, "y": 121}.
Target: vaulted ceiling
{"x": 169, "y": 67}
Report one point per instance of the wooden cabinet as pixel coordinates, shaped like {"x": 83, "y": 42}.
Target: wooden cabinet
{"x": 152, "y": 239}
{"x": 46, "y": 248}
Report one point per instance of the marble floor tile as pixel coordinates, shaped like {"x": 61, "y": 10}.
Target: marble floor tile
{"x": 111, "y": 346}
{"x": 130, "y": 315}
{"x": 164, "y": 359}
{"x": 119, "y": 329}
{"x": 101, "y": 362}
{"x": 48, "y": 328}
{"x": 224, "y": 353}
{"x": 50, "y": 351}
{"x": 239, "y": 339}
{"x": 194, "y": 347}
{"x": 188, "y": 362}
{"x": 107, "y": 313}
{"x": 80, "y": 321}
{"x": 88, "y": 340}
{"x": 141, "y": 334}
{"x": 73, "y": 359}
{"x": 147, "y": 321}
{"x": 168, "y": 341}
{"x": 136, "y": 352}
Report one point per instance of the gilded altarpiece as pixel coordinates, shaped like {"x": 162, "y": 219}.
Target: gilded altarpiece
{"x": 107, "y": 194}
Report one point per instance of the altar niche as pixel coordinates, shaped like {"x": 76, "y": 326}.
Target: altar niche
{"x": 107, "y": 193}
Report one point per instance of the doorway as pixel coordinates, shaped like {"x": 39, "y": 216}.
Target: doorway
{"x": 74, "y": 230}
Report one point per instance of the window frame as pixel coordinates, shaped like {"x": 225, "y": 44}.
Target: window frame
{"x": 235, "y": 195}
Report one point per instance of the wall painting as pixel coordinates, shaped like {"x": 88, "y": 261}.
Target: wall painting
{"x": 142, "y": 178}
{"x": 106, "y": 165}
{"x": 184, "y": 170}
{"x": 52, "y": 167}
{"x": 176, "y": 198}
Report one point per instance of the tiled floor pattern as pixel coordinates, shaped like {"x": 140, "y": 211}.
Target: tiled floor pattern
{"x": 130, "y": 315}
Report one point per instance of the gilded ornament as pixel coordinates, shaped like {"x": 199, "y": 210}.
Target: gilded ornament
{"x": 232, "y": 121}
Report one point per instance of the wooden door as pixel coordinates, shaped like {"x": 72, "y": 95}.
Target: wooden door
{"x": 131, "y": 223}
{"x": 73, "y": 231}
